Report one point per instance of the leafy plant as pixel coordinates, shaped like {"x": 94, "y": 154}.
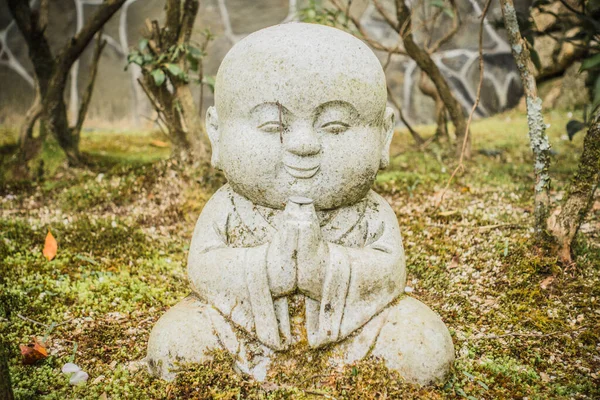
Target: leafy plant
{"x": 444, "y": 6}
{"x": 170, "y": 61}
{"x": 316, "y": 13}
{"x": 160, "y": 64}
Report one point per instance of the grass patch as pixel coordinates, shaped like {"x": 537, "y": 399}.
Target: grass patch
{"x": 124, "y": 226}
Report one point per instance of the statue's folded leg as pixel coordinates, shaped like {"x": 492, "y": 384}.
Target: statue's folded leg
{"x": 415, "y": 341}
{"x": 190, "y": 330}
{"x": 183, "y": 334}
{"x": 409, "y": 337}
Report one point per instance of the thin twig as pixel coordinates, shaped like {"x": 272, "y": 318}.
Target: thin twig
{"x": 310, "y": 378}
{"x": 460, "y": 165}
{"x": 363, "y": 33}
{"x": 415, "y": 135}
{"x": 393, "y": 24}
{"x": 24, "y": 318}
{"x": 455, "y": 25}
{"x": 479, "y": 227}
{"x": 87, "y": 96}
{"x": 389, "y": 56}
{"x": 160, "y": 127}
{"x": 156, "y": 106}
{"x": 31, "y": 320}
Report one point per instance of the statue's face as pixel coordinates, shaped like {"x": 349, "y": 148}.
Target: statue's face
{"x": 299, "y": 124}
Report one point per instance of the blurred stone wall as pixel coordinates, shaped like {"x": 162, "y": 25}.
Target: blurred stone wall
{"x": 118, "y": 100}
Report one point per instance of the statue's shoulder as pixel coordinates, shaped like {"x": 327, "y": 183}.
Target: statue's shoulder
{"x": 221, "y": 199}
{"x": 377, "y": 204}
{"x": 218, "y": 207}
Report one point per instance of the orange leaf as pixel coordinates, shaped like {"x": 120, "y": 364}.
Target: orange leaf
{"x": 50, "y": 247}
{"x": 159, "y": 143}
{"x": 33, "y": 352}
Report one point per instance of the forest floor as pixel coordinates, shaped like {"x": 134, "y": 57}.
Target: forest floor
{"x": 523, "y": 325}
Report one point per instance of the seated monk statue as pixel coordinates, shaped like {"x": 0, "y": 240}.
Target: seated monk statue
{"x": 296, "y": 247}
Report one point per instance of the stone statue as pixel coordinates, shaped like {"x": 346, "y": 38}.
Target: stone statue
{"x": 297, "y": 248}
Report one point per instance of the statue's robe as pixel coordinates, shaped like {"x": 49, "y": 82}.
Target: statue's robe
{"x": 364, "y": 274}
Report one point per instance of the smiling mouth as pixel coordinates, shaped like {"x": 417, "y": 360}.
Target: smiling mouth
{"x": 301, "y": 172}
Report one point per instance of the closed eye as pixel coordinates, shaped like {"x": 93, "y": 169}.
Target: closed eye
{"x": 335, "y": 127}
{"x": 271, "y": 126}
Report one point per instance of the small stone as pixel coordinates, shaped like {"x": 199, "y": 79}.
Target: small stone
{"x": 69, "y": 368}
{"x": 78, "y": 378}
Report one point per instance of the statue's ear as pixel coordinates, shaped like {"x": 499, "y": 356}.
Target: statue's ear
{"x": 212, "y": 128}
{"x": 389, "y": 120}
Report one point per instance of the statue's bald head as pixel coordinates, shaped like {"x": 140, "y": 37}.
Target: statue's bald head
{"x": 300, "y": 66}
{"x": 300, "y": 111}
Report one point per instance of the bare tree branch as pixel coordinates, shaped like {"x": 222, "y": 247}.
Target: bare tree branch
{"x": 87, "y": 96}
{"x": 39, "y": 49}
{"x": 415, "y": 135}
{"x": 460, "y": 165}
{"x": 73, "y": 49}
{"x": 386, "y": 17}
{"x": 364, "y": 35}
{"x": 450, "y": 34}
{"x": 424, "y": 61}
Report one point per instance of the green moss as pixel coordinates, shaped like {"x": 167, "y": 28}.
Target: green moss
{"x": 121, "y": 265}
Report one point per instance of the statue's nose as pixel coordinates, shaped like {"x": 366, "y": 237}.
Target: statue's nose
{"x": 302, "y": 141}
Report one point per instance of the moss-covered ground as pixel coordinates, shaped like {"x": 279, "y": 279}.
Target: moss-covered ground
{"x": 523, "y": 325}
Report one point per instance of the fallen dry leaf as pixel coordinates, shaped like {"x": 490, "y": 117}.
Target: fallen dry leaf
{"x": 547, "y": 282}
{"x": 50, "y": 247}
{"x": 159, "y": 143}
{"x": 454, "y": 262}
{"x": 33, "y": 352}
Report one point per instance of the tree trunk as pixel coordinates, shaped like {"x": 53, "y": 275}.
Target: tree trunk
{"x": 51, "y": 72}
{"x": 566, "y": 220}
{"x": 424, "y": 61}
{"x": 194, "y": 126}
{"x": 537, "y": 128}
{"x": 55, "y": 115}
{"x": 29, "y": 146}
{"x": 441, "y": 130}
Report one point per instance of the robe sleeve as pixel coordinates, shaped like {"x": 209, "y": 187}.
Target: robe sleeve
{"x": 360, "y": 281}
{"x": 232, "y": 279}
